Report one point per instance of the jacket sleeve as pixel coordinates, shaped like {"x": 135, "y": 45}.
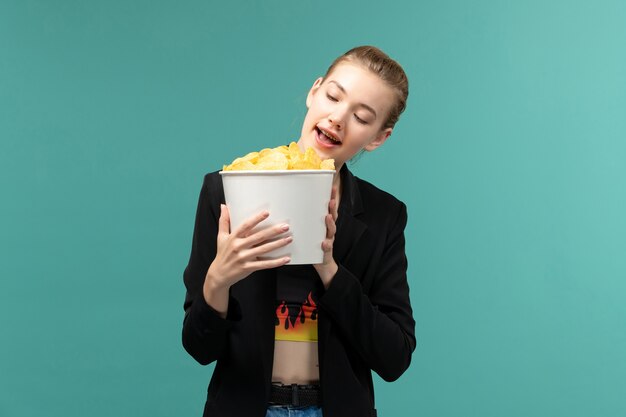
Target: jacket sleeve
{"x": 378, "y": 325}
{"x": 205, "y": 332}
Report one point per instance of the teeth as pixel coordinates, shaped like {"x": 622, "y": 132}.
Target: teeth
{"x": 328, "y": 136}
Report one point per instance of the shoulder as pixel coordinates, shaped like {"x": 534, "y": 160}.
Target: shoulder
{"x": 380, "y": 209}
{"x": 212, "y": 191}
{"x": 212, "y": 185}
{"x": 212, "y": 180}
{"x": 372, "y": 195}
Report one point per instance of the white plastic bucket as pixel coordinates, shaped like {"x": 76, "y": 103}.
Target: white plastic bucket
{"x": 297, "y": 197}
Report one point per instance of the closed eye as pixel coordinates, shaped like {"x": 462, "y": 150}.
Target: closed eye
{"x": 358, "y": 119}
{"x": 331, "y": 98}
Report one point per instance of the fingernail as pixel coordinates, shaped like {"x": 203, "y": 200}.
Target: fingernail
{"x": 284, "y": 227}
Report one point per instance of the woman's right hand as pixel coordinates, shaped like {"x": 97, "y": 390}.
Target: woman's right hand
{"x": 237, "y": 255}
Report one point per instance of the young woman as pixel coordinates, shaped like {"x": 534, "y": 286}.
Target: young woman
{"x": 302, "y": 340}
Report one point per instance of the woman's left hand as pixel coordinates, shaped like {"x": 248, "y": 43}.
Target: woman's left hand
{"x": 328, "y": 268}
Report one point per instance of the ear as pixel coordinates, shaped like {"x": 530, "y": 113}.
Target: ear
{"x": 382, "y": 136}
{"x": 314, "y": 88}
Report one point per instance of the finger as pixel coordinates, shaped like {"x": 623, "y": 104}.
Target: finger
{"x": 250, "y": 223}
{"x": 331, "y": 227}
{"x": 224, "y": 222}
{"x": 264, "y": 248}
{"x": 332, "y": 205}
{"x": 268, "y": 233}
{"x": 268, "y": 263}
{"x": 332, "y": 208}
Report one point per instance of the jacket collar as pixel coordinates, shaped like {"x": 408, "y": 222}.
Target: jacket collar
{"x": 349, "y": 227}
{"x": 350, "y": 196}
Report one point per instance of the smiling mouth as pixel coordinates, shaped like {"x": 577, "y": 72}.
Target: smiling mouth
{"x": 327, "y": 137}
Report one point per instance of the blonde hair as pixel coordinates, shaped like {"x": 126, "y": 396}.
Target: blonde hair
{"x": 386, "y": 68}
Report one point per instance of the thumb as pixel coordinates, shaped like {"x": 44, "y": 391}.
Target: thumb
{"x": 224, "y": 226}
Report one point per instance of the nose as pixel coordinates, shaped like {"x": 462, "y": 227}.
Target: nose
{"x": 336, "y": 120}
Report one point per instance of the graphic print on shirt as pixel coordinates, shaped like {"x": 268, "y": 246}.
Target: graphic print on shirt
{"x": 297, "y": 322}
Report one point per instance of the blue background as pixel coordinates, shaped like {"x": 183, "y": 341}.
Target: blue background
{"x": 511, "y": 158}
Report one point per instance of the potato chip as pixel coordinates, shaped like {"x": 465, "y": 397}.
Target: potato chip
{"x": 265, "y": 152}
{"x": 328, "y": 164}
{"x": 241, "y": 166}
{"x": 294, "y": 149}
{"x": 312, "y": 157}
{"x": 281, "y": 158}
{"x": 251, "y": 157}
{"x": 272, "y": 161}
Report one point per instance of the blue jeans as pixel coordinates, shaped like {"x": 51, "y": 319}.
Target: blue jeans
{"x": 290, "y": 411}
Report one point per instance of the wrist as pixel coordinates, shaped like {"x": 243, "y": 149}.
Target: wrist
{"x": 216, "y": 293}
{"x": 327, "y": 273}
{"x": 213, "y": 280}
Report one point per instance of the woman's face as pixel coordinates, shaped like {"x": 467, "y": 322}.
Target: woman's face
{"x": 346, "y": 113}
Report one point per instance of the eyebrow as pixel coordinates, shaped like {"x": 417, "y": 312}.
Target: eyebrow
{"x": 343, "y": 90}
